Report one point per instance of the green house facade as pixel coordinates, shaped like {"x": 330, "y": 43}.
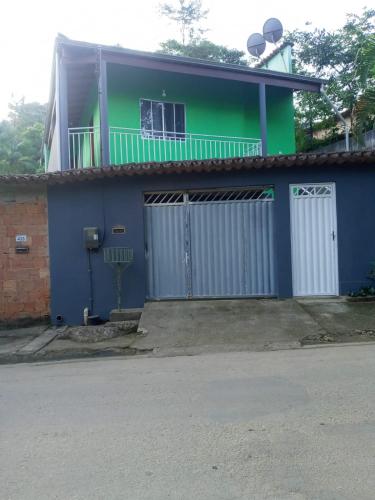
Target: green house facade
{"x": 113, "y": 106}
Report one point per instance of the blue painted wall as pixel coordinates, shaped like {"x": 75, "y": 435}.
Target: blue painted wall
{"x": 108, "y": 202}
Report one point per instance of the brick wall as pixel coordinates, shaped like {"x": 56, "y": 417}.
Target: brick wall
{"x": 24, "y": 278}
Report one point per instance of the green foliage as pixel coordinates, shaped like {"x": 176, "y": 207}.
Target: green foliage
{"x": 331, "y": 55}
{"x": 204, "y": 49}
{"x": 364, "y": 110}
{"x": 21, "y": 138}
{"x": 187, "y": 14}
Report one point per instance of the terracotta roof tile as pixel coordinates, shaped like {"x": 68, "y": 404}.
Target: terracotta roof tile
{"x": 300, "y": 160}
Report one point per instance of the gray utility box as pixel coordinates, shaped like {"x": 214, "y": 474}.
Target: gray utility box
{"x": 91, "y": 237}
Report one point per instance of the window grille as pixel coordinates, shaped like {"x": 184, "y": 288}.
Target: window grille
{"x": 214, "y": 196}
{"x": 235, "y": 195}
{"x": 166, "y": 198}
{"x": 317, "y": 190}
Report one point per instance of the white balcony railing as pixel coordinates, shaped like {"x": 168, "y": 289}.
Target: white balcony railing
{"x": 139, "y": 146}
{"x": 84, "y": 147}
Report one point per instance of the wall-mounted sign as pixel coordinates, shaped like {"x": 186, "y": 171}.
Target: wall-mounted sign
{"x": 118, "y": 230}
{"x": 20, "y": 238}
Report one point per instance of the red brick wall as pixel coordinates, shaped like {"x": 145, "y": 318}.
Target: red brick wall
{"x": 24, "y": 278}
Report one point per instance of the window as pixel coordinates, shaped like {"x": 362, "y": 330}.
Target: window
{"x": 164, "y": 120}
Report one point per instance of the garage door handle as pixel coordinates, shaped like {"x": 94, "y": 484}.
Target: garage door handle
{"x": 333, "y": 235}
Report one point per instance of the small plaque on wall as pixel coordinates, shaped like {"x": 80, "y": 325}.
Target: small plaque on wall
{"x": 21, "y": 238}
{"x": 118, "y": 229}
{"x": 22, "y": 249}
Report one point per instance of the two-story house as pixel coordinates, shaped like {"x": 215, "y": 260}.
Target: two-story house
{"x": 193, "y": 166}
{"x": 112, "y": 106}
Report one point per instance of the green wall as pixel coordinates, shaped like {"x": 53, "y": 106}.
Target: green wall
{"x": 213, "y": 107}
{"x": 280, "y": 121}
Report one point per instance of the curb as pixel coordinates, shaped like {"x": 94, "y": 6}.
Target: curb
{"x": 338, "y": 344}
{"x": 16, "y": 358}
{"x": 127, "y": 352}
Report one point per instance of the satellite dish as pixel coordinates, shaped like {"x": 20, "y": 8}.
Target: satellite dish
{"x": 256, "y": 44}
{"x": 272, "y": 30}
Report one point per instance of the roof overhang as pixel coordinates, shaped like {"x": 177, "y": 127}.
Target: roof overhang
{"x": 301, "y": 160}
{"x": 76, "y": 52}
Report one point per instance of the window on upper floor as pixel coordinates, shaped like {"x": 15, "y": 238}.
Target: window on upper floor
{"x": 164, "y": 120}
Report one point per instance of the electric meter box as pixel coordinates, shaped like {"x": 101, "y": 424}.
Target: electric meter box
{"x": 91, "y": 237}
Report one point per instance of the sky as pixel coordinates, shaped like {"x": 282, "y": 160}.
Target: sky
{"x": 28, "y": 29}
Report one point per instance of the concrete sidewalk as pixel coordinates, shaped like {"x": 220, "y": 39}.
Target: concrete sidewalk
{"x": 174, "y": 328}
{"x": 191, "y": 327}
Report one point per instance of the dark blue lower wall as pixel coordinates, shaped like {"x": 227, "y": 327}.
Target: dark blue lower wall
{"x": 109, "y": 202}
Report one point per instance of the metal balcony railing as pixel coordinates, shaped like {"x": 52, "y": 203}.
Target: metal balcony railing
{"x": 84, "y": 147}
{"x": 128, "y": 145}
{"x": 138, "y": 146}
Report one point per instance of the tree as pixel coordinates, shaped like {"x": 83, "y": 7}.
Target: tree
{"x": 330, "y": 55}
{"x": 187, "y": 14}
{"x": 364, "y": 110}
{"x": 204, "y": 49}
{"x": 21, "y": 138}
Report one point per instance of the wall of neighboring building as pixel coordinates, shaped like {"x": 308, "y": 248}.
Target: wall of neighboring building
{"x": 119, "y": 201}
{"x": 213, "y": 106}
{"x": 24, "y": 277}
{"x": 281, "y": 61}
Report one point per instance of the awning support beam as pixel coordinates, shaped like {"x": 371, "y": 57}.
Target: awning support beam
{"x": 103, "y": 110}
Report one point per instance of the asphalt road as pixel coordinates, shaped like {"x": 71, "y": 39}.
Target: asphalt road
{"x": 261, "y": 425}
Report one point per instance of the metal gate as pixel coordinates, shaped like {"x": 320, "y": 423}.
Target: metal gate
{"x": 314, "y": 239}
{"x": 210, "y": 243}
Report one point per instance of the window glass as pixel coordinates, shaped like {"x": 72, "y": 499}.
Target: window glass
{"x": 180, "y": 119}
{"x": 162, "y": 119}
{"x": 169, "y": 119}
{"x": 157, "y": 118}
{"x": 146, "y": 116}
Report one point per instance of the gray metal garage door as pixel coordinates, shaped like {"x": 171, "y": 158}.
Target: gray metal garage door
{"x": 210, "y": 243}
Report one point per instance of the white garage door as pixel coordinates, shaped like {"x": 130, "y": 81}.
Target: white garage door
{"x": 210, "y": 243}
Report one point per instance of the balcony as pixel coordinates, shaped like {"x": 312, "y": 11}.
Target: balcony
{"x": 128, "y": 145}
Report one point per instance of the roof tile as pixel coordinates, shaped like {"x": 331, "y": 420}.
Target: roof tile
{"x": 300, "y": 160}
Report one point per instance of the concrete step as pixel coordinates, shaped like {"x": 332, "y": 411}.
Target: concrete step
{"x": 125, "y": 314}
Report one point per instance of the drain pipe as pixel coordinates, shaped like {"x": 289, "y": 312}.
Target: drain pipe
{"x": 339, "y": 116}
